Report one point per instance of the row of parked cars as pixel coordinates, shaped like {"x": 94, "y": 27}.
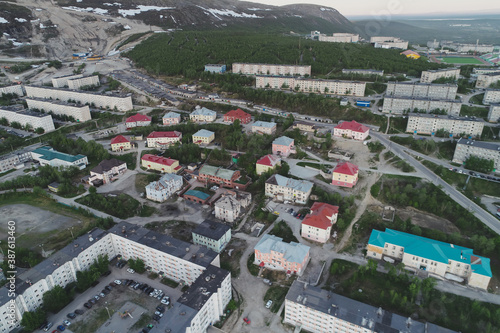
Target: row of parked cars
{"x": 97, "y": 297}
{"x": 477, "y": 175}
{"x": 296, "y": 214}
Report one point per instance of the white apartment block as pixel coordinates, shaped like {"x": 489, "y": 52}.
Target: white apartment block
{"x": 491, "y": 96}
{"x": 212, "y": 234}
{"x": 26, "y": 117}
{"x": 481, "y": 48}
{"x": 317, "y": 310}
{"x": 15, "y": 89}
{"x": 80, "y": 112}
{"x": 13, "y": 160}
{"x": 486, "y": 80}
{"x": 388, "y": 42}
{"x": 203, "y": 115}
{"x": 466, "y": 148}
{"x": 432, "y": 75}
{"x": 480, "y": 70}
{"x": 77, "y": 83}
{"x": 264, "y": 127}
{"x": 164, "y": 188}
{"x": 494, "y": 113}
{"x": 329, "y": 87}
{"x": 424, "y": 90}
{"x": 62, "y": 81}
{"x": 400, "y": 105}
{"x": 121, "y": 103}
{"x": 288, "y": 189}
{"x": 271, "y": 69}
{"x": 227, "y": 208}
{"x": 422, "y": 123}
{"x": 339, "y": 37}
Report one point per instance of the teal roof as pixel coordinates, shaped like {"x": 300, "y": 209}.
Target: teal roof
{"x": 204, "y": 133}
{"x": 283, "y": 141}
{"x": 171, "y": 114}
{"x": 50, "y": 154}
{"x": 198, "y": 194}
{"x": 292, "y": 252}
{"x": 266, "y": 124}
{"x": 204, "y": 112}
{"x": 431, "y": 249}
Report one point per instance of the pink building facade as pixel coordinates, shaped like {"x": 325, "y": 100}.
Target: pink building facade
{"x": 283, "y": 146}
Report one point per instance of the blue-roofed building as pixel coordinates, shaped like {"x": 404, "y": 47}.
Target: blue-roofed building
{"x": 171, "y": 118}
{"x": 288, "y": 189}
{"x": 441, "y": 259}
{"x": 49, "y": 156}
{"x": 283, "y": 146}
{"x": 196, "y": 196}
{"x": 264, "y": 127}
{"x": 203, "y": 115}
{"x": 212, "y": 68}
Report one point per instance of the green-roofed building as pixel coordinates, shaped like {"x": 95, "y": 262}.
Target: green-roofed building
{"x": 196, "y": 196}
{"x": 49, "y": 156}
{"x": 441, "y": 259}
{"x": 218, "y": 175}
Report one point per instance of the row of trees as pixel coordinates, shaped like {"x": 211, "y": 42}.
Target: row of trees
{"x": 479, "y": 164}
{"x": 17, "y": 125}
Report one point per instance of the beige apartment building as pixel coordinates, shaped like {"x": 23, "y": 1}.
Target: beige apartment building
{"x": 494, "y": 113}
{"x": 77, "y": 83}
{"x": 486, "y": 80}
{"x": 80, "y": 112}
{"x": 479, "y": 48}
{"x": 388, "y": 42}
{"x": 288, "y": 189}
{"x": 62, "y": 81}
{"x": 400, "y": 105}
{"x": 271, "y": 69}
{"x": 466, "y": 148}
{"x": 339, "y": 37}
{"x": 264, "y": 127}
{"x": 17, "y": 113}
{"x": 421, "y": 123}
{"x": 432, "y": 75}
{"x": 491, "y": 96}
{"x": 363, "y": 71}
{"x": 15, "y": 89}
{"x": 330, "y": 87}
{"x": 424, "y": 90}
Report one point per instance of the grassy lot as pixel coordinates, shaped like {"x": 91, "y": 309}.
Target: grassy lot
{"x": 141, "y": 180}
{"x": 232, "y": 262}
{"x": 477, "y": 99}
{"x": 398, "y": 162}
{"x": 169, "y": 282}
{"x": 281, "y": 229}
{"x": 474, "y": 111}
{"x": 276, "y": 294}
{"x": 254, "y": 269}
{"x": 130, "y": 159}
{"x": 93, "y": 325}
{"x": 443, "y": 150}
{"x": 177, "y": 229}
{"x": 122, "y": 206}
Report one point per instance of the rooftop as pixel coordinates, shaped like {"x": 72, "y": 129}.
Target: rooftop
{"x": 309, "y": 79}
{"x": 204, "y": 133}
{"x": 238, "y": 113}
{"x": 353, "y": 126}
{"x": 347, "y": 70}
{"x": 264, "y": 124}
{"x": 346, "y": 168}
{"x": 269, "y": 160}
{"x": 413, "y": 83}
{"x": 443, "y": 70}
{"x": 283, "y": 141}
{"x": 50, "y": 154}
{"x": 203, "y": 112}
{"x": 78, "y": 92}
{"x": 119, "y": 139}
{"x": 424, "y": 99}
{"x": 292, "y": 252}
{"x": 57, "y": 101}
{"x": 158, "y": 159}
{"x": 228, "y": 203}
{"x": 107, "y": 165}
{"x": 164, "y": 182}
{"x": 21, "y": 110}
{"x": 247, "y": 63}
{"x": 298, "y": 185}
{"x": 168, "y": 134}
{"x": 211, "y": 229}
{"x": 198, "y": 194}
{"x": 216, "y": 172}
{"x": 480, "y": 144}
{"x": 172, "y": 114}
{"x": 138, "y": 117}
{"x": 321, "y": 214}
{"x": 428, "y": 115}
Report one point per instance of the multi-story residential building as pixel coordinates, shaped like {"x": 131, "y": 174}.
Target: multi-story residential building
{"x": 491, "y": 96}
{"x": 424, "y": 90}
{"x": 434, "y": 74}
{"x": 351, "y": 129}
{"x": 160, "y": 163}
{"x": 212, "y": 234}
{"x": 62, "y": 81}
{"x": 283, "y": 146}
{"x": 218, "y": 175}
{"x": 16, "y": 89}
{"x": 14, "y": 160}
{"x": 317, "y": 225}
{"x": 203, "y": 137}
{"x": 364, "y": 72}
{"x": 230, "y": 205}
{"x": 17, "y": 113}
{"x": 318, "y": 310}
{"x": 79, "y": 112}
{"x": 288, "y": 189}
{"x": 215, "y": 68}
{"x": 400, "y": 105}
{"x": 479, "y": 48}
{"x": 107, "y": 171}
{"x": 345, "y": 174}
{"x": 494, "y": 113}
{"x": 239, "y": 114}
{"x": 339, "y": 37}
{"x": 163, "y": 139}
{"x": 267, "y": 163}
{"x": 481, "y": 70}
{"x": 164, "y": 188}
{"x": 120, "y": 143}
{"x": 105, "y": 101}
{"x": 304, "y": 126}
{"x": 466, "y": 148}
{"x": 421, "y": 123}
{"x": 486, "y": 80}
{"x": 271, "y": 252}
{"x": 319, "y": 86}
{"x": 271, "y": 69}
{"x": 49, "y": 156}
{"x": 171, "y": 118}
{"x": 388, "y": 42}
{"x": 138, "y": 120}
{"x": 203, "y": 115}
{"x": 79, "y": 83}
{"x": 445, "y": 260}
{"x": 264, "y": 127}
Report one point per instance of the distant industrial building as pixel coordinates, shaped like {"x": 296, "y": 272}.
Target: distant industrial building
{"x": 432, "y": 75}
{"x": 494, "y": 113}
{"x": 422, "y": 123}
{"x": 466, "y": 148}
{"x": 365, "y": 72}
{"x": 337, "y": 37}
{"x": 424, "y": 90}
{"x": 388, "y": 42}
{"x": 215, "y": 68}
{"x": 400, "y": 105}
{"x": 17, "y": 113}
{"x": 479, "y": 48}
{"x": 271, "y": 69}
{"x": 49, "y": 156}
{"x": 486, "y": 80}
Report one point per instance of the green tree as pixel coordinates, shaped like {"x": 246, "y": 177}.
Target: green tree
{"x": 137, "y": 265}
{"x": 33, "y": 319}
{"x": 479, "y": 164}
{"x": 4, "y": 121}
{"x": 39, "y": 130}
{"x": 16, "y": 125}
{"x": 56, "y": 299}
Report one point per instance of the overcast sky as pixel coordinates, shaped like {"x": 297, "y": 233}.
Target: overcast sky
{"x": 398, "y": 7}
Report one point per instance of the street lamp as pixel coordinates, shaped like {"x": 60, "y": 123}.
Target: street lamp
{"x": 43, "y": 251}
{"x": 107, "y": 310}
{"x": 71, "y": 230}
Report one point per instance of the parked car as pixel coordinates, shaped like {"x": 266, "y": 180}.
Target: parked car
{"x": 47, "y": 327}
{"x": 92, "y": 301}
{"x": 79, "y": 311}
{"x": 102, "y": 295}
{"x": 96, "y": 297}
{"x": 71, "y": 315}
{"x": 87, "y": 305}
{"x": 117, "y": 282}
{"x": 61, "y": 328}
{"x": 159, "y": 314}
{"x": 266, "y": 281}
{"x": 268, "y": 304}
{"x": 157, "y": 318}
{"x": 66, "y": 322}
{"x": 246, "y": 320}
{"x": 165, "y": 300}
{"x": 113, "y": 284}
{"x": 108, "y": 288}
{"x": 161, "y": 308}
{"x": 130, "y": 270}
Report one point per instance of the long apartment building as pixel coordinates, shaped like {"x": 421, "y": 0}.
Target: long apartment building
{"x": 80, "y": 112}
{"x": 112, "y": 101}
{"x": 437, "y": 258}
{"x": 15, "y": 89}
{"x": 388, "y": 42}
{"x": 317, "y": 310}
{"x": 432, "y": 75}
{"x": 339, "y": 37}
{"x": 480, "y": 48}
{"x": 62, "y": 81}
{"x": 494, "y": 113}
{"x": 88, "y": 81}
{"x": 329, "y": 87}
{"x": 288, "y": 189}
{"x": 363, "y": 71}
{"x": 491, "y": 96}
{"x": 175, "y": 259}
{"x": 422, "y": 123}
{"x": 17, "y": 113}
{"x": 486, "y": 80}
{"x": 481, "y": 70}
{"x": 424, "y": 90}
{"x": 400, "y": 105}
{"x": 14, "y": 160}
{"x": 271, "y": 69}
{"x": 466, "y": 148}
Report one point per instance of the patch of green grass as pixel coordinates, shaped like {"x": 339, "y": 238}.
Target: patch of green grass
{"x": 169, "y": 282}
{"x": 252, "y": 268}
{"x": 143, "y": 321}
{"x": 281, "y": 229}
{"x": 474, "y": 111}
{"x": 461, "y": 60}
{"x": 276, "y": 294}
{"x": 477, "y": 99}
{"x": 92, "y": 325}
{"x": 130, "y": 159}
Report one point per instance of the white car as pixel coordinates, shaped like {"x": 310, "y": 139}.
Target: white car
{"x": 118, "y": 281}
{"x": 158, "y": 313}
{"x": 268, "y": 304}
{"x": 66, "y": 323}
{"x": 130, "y": 270}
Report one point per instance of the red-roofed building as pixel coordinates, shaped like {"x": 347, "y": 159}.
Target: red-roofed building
{"x": 232, "y": 115}
{"x": 138, "y": 120}
{"x": 317, "y": 225}
{"x": 159, "y": 163}
{"x": 162, "y": 139}
{"x": 266, "y": 163}
{"x": 120, "y": 143}
{"x": 352, "y": 129}
{"x": 345, "y": 174}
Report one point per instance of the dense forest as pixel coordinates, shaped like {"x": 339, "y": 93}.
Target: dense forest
{"x": 186, "y": 53}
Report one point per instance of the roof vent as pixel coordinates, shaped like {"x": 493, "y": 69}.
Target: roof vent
{"x": 364, "y": 321}
{"x": 167, "y": 243}
{"x": 187, "y": 249}
{"x": 207, "y": 278}
{"x": 212, "y": 276}
{"x": 408, "y": 322}
{"x": 91, "y": 239}
{"x": 379, "y": 312}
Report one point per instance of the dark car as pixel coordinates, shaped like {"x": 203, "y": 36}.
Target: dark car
{"x": 156, "y": 317}
{"x": 92, "y": 301}
{"x": 79, "y": 311}
{"x": 105, "y": 291}
{"x": 87, "y": 305}
{"x": 108, "y": 288}
{"x": 112, "y": 284}
{"x": 71, "y": 315}
{"x": 160, "y": 308}
{"x": 106, "y": 273}
{"x": 61, "y": 328}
